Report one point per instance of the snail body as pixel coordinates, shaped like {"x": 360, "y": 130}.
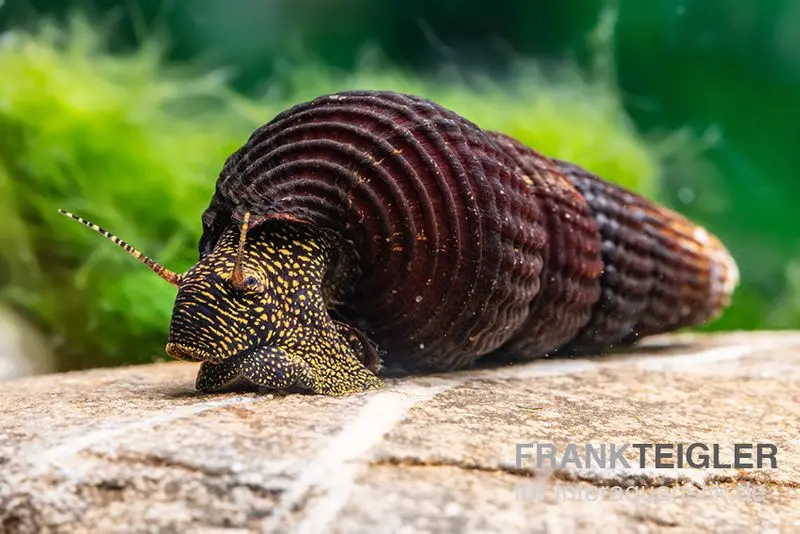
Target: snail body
{"x": 365, "y": 221}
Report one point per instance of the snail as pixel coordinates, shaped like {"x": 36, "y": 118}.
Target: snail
{"x": 370, "y": 228}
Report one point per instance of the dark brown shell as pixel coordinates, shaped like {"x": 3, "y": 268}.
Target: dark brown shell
{"x": 662, "y": 272}
{"x": 466, "y": 241}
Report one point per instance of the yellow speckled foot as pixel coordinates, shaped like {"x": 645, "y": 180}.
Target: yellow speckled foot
{"x": 341, "y": 376}
{"x": 268, "y": 367}
{"x": 212, "y": 377}
{"x": 276, "y": 368}
{"x": 289, "y": 367}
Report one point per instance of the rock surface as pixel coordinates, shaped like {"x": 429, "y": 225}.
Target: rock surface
{"x": 137, "y": 450}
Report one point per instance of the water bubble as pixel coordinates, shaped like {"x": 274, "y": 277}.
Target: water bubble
{"x": 685, "y": 195}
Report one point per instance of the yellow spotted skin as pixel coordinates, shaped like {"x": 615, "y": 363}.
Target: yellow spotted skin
{"x": 275, "y": 332}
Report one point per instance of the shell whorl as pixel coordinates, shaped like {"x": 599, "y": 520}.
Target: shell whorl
{"x": 460, "y": 241}
{"x": 662, "y": 272}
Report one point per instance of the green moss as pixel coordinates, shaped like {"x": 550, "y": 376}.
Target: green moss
{"x": 136, "y": 146}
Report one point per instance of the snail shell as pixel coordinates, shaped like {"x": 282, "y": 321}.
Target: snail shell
{"x": 457, "y": 242}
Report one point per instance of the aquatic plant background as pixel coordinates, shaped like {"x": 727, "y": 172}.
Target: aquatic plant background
{"x": 126, "y": 114}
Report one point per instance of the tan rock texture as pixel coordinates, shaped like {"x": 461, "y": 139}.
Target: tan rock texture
{"x": 136, "y": 449}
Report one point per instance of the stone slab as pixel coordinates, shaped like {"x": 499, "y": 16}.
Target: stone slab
{"x": 135, "y": 449}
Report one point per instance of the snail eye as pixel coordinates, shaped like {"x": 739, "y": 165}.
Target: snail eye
{"x": 253, "y": 284}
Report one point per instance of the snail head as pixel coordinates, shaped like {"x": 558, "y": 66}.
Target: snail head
{"x": 233, "y": 299}
{"x": 252, "y": 310}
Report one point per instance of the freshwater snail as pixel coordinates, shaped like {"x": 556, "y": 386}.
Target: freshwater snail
{"x": 368, "y": 220}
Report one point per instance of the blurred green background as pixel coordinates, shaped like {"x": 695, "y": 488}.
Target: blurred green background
{"x": 125, "y": 111}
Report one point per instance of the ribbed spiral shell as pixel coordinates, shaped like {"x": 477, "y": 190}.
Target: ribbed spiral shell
{"x": 662, "y": 272}
{"x": 466, "y": 241}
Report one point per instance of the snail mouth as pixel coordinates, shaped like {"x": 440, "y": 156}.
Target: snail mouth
{"x": 191, "y": 354}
